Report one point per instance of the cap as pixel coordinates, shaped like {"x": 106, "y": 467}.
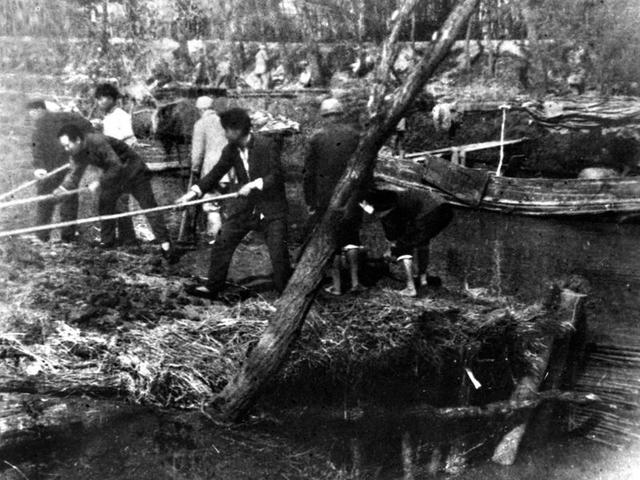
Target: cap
{"x": 204, "y": 103}
{"x": 331, "y": 106}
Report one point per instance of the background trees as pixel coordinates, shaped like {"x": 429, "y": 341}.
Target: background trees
{"x": 598, "y": 39}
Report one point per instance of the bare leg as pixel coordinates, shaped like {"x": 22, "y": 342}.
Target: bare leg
{"x": 422, "y": 254}
{"x": 410, "y": 289}
{"x": 353, "y": 253}
{"x": 336, "y": 283}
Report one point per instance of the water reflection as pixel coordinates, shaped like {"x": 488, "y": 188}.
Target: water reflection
{"x": 516, "y": 255}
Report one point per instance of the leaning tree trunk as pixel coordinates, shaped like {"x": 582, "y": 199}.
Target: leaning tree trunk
{"x": 292, "y": 307}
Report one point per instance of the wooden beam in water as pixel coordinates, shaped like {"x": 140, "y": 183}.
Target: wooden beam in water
{"x": 528, "y": 386}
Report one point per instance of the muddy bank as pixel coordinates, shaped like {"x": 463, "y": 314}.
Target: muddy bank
{"x": 117, "y": 325}
{"x": 124, "y": 316}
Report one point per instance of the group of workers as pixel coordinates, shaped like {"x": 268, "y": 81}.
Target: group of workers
{"x": 229, "y": 157}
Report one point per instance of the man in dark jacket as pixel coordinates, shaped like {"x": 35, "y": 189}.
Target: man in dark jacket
{"x": 410, "y": 220}
{"x": 262, "y": 202}
{"x": 123, "y": 172}
{"x": 328, "y": 153}
{"x": 48, "y": 155}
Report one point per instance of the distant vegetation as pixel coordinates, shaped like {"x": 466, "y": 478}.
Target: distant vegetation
{"x": 594, "y": 42}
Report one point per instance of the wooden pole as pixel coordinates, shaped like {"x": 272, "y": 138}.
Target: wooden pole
{"x": 504, "y": 121}
{"x": 42, "y": 198}
{"x": 184, "y": 221}
{"x": 31, "y": 183}
{"x": 115, "y": 216}
{"x": 563, "y": 359}
{"x": 528, "y": 386}
{"x": 424, "y": 413}
{"x": 407, "y": 457}
{"x": 291, "y": 309}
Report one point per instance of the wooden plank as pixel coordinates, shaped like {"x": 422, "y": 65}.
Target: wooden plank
{"x": 465, "y": 184}
{"x": 470, "y": 147}
{"x": 529, "y": 196}
{"x": 528, "y": 386}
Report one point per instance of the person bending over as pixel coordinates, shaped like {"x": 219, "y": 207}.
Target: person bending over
{"x": 410, "y": 220}
{"x": 123, "y": 172}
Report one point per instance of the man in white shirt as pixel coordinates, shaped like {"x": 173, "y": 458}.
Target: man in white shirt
{"x": 206, "y": 147}
{"x": 116, "y": 123}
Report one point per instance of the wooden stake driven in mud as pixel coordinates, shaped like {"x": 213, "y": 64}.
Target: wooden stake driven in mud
{"x": 528, "y": 386}
{"x": 115, "y": 216}
{"x": 291, "y": 309}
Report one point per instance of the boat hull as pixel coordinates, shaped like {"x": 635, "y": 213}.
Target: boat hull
{"x": 465, "y": 187}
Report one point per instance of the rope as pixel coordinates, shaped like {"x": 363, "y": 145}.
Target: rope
{"x": 115, "y": 216}
{"x": 504, "y": 109}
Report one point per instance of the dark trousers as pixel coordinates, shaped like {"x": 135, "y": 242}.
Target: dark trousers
{"x": 69, "y": 212}
{"x": 416, "y": 240}
{"x": 44, "y": 210}
{"x": 349, "y": 234}
{"x": 233, "y": 231}
{"x": 140, "y": 188}
{"x": 126, "y": 232}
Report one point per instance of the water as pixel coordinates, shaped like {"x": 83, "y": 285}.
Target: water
{"x": 508, "y": 254}
{"x": 519, "y": 256}
{"x": 516, "y": 255}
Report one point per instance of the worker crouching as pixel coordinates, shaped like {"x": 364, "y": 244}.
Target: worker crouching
{"x": 410, "y": 220}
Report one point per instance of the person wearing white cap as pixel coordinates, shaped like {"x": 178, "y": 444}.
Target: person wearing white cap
{"x": 327, "y": 154}
{"x": 206, "y": 146}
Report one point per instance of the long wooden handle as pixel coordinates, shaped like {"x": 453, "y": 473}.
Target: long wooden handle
{"x": 31, "y": 183}
{"x": 42, "y": 198}
{"x": 115, "y": 216}
{"x": 183, "y": 221}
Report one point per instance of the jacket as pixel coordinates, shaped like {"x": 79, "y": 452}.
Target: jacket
{"x": 328, "y": 153}
{"x": 120, "y": 164}
{"x": 207, "y": 143}
{"x": 264, "y": 162}
{"x": 46, "y": 149}
{"x": 415, "y": 219}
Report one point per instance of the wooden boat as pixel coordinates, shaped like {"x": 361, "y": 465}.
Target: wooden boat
{"x": 475, "y": 188}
